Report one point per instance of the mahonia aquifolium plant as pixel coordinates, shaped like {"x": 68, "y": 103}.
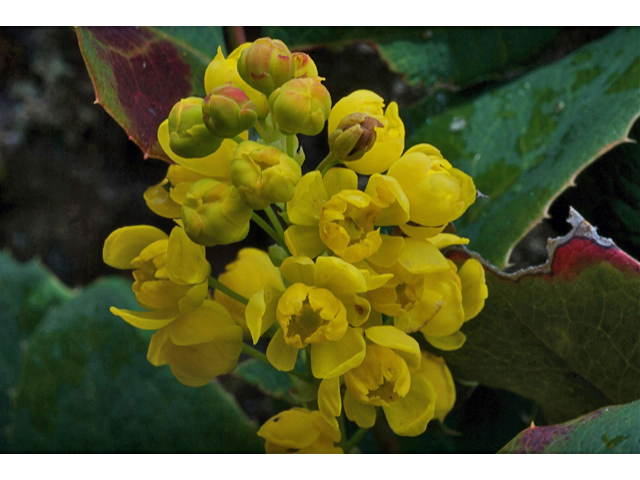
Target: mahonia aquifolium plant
{"x": 349, "y": 279}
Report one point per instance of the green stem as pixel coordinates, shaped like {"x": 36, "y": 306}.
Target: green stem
{"x": 215, "y": 283}
{"x": 290, "y": 147}
{"x": 355, "y": 440}
{"x": 275, "y": 221}
{"x": 326, "y": 164}
{"x": 249, "y": 350}
{"x": 267, "y": 228}
{"x": 238, "y": 139}
{"x": 262, "y": 132}
{"x": 307, "y": 361}
{"x": 343, "y": 432}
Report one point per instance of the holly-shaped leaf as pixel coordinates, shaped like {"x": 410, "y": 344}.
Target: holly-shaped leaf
{"x": 86, "y": 386}
{"x": 614, "y": 429}
{"x": 565, "y": 334}
{"x": 139, "y": 73}
{"x": 524, "y": 143}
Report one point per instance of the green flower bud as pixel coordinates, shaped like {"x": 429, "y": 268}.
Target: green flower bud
{"x": 266, "y": 65}
{"x": 277, "y": 255}
{"x": 228, "y": 111}
{"x": 188, "y": 135}
{"x": 301, "y": 105}
{"x": 304, "y": 66}
{"x": 354, "y": 136}
{"x": 214, "y": 214}
{"x": 263, "y": 174}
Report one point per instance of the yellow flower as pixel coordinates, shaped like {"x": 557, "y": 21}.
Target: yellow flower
{"x": 305, "y": 66}
{"x": 331, "y": 212}
{"x": 214, "y": 214}
{"x": 320, "y": 309}
{"x": 166, "y": 198}
{"x": 198, "y": 346}
{"x": 390, "y": 137}
{"x": 301, "y": 105}
{"x": 217, "y": 165}
{"x": 435, "y": 371}
{"x": 438, "y": 193}
{"x": 249, "y": 273}
{"x": 384, "y": 380}
{"x": 170, "y": 273}
{"x": 224, "y": 70}
{"x": 299, "y": 430}
{"x": 263, "y": 174}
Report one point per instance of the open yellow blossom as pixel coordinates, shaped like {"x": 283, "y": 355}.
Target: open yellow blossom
{"x": 320, "y": 308}
{"x": 250, "y": 272}
{"x": 299, "y": 430}
{"x": 435, "y": 371}
{"x": 222, "y": 70}
{"x": 390, "y": 137}
{"x": 331, "y": 212}
{"x": 384, "y": 380}
{"x": 438, "y": 193}
{"x": 198, "y": 346}
{"x": 166, "y": 198}
{"x": 170, "y": 273}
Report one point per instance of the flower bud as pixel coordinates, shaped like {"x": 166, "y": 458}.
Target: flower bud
{"x": 214, "y": 214}
{"x": 301, "y": 105}
{"x": 277, "y": 254}
{"x": 188, "y": 135}
{"x": 228, "y": 111}
{"x": 263, "y": 174}
{"x": 304, "y": 66}
{"x": 266, "y": 65}
{"x": 354, "y": 136}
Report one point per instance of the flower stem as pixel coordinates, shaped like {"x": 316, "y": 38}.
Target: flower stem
{"x": 262, "y": 132}
{"x": 328, "y": 162}
{"x": 275, "y": 221}
{"x": 290, "y": 147}
{"x": 238, "y": 139}
{"x": 267, "y": 228}
{"x": 215, "y": 283}
{"x": 355, "y": 440}
{"x": 249, "y": 350}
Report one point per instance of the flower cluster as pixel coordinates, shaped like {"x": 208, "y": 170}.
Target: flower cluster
{"x": 355, "y": 282}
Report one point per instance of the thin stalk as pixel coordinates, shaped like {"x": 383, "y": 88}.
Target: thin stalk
{"x": 307, "y": 361}
{"x": 290, "y": 147}
{"x": 343, "y": 432}
{"x": 249, "y": 350}
{"x": 267, "y": 228}
{"x": 275, "y": 221}
{"x": 238, "y": 139}
{"x": 326, "y": 164}
{"x": 355, "y": 440}
{"x": 262, "y": 132}
{"x": 215, "y": 283}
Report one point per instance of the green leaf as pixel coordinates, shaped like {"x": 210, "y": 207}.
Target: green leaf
{"x": 266, "y": 379}
{"x": 614, "y": 429}
{"x": 566, "y": 334}
{"x": 139, "y": 73}
{"x": 524, "y": 143}
{"x": 86, "y": 386}
{"x": 27, "y": 292}
{"x": 430, "y": 56}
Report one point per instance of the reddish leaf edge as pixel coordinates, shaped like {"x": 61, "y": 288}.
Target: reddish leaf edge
{"x": 568, "y": 255}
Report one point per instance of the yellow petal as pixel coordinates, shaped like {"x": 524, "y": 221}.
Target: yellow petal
{"x": 332, "y": 359}
{"x": 420, "y": 256}
{"x": 306, "y": 205}
{"x": 186, "y": 261}
{"x": 329, "y": 401}
{"x": 194, "y": 297}
{"x": 208, "y": 323}
{"x": 147, "y": 320}
{"x": 421, "y": 313}
{"x": 435, "y": 371}
{"x": 363, "y": 415}
{"x": 125, "y": 244}
{"x": 339, "y": 276}
{"x": 159, "y": 201}
{"x": 451, "y": 316}
{"x": 388, "y": 252}
{"x": 408, "y": 416}
{"x": 400, "y": 342}
{"x": 339, "y": 179}
{"x": 388, "y": 189}
{"x": 443, "y": 240}
{"x": 290, "y": 429}
{"x": 303, "y": 240}
{"x": 360, "y": 101}
{"x": 260, "y": 313}
{"x": 448, "y": 343}
{"x": 474, "y": 288}
{"x": 282, "y": 356}
{"x": 299, "y": 270}
{"x": 358, "y": 309}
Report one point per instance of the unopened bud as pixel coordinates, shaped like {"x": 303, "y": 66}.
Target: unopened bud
{"x": 354, "y": 136}
{"x": 277, "y": 255}
{"x": 266, "y": 65}
{"x": 304, "y": 66}
{"x": 263, "y": 174}
{"x": 228, "y": 111}
{"x": 188, "y": 135}
{"x": 214, "y": 214}
{"x": 301, "y": 105}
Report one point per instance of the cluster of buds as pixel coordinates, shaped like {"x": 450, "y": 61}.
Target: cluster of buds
{"x": 355, "y": 285}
